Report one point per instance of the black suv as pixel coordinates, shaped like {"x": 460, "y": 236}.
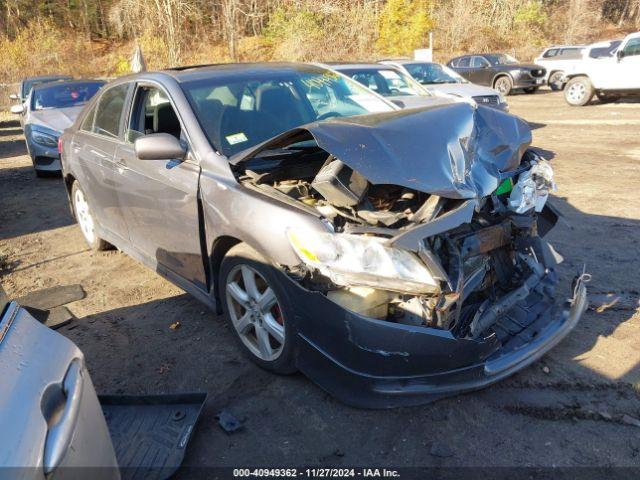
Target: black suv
{"x": 500, "y": 71}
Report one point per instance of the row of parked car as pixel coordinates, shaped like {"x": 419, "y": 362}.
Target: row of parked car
{"x": 608, "y": 70}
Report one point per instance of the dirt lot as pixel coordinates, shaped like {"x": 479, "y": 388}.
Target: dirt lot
{"x": 565, "y": 410}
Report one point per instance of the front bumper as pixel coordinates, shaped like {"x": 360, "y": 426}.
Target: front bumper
{"x": 378, "y": 364}
{"x": 527, "y": 81}
{"x": 44, "y": 158}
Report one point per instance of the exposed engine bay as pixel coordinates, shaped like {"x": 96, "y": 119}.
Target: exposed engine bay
{"x": 484, "y": 261}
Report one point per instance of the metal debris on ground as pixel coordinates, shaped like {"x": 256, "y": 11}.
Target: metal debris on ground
{"x": 228, "y": 421}
{"x": 174, "y": 326}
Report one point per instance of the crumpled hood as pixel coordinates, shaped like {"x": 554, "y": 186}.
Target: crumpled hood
{"x": 455, "y": 150}
{"x": 57, "y": 119}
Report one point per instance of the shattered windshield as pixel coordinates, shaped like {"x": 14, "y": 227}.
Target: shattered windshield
{"x": 433, "y": 73}
{"x": 61, "y": 95}
{"x": 241, "y": 112}
{"x": 385, "y": 81}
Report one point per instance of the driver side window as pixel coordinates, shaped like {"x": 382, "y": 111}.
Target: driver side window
{"x": 152, "y": 113}
{"x": 632, "y": 48}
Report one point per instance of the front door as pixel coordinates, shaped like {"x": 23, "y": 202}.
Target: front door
{"x": 481, "y": 72}
{"x": 629, "y": 65}
{"x": 159, "y": 198}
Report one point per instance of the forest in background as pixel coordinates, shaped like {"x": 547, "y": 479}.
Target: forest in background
{"x": 97, "y": 37}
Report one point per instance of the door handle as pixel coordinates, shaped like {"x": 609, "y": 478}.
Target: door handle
{"x": 59, "y": 435}
{"x": 121, "y": 165}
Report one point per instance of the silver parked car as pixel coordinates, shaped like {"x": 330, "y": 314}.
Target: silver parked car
{"x": 395, "y": 256}
{"x": 439, "y": 78}
{"x": 51, "y": 422}
{"x": 47, "y": 111}
{"x": 393, "y": 84}
{"x": 30, "y": 82}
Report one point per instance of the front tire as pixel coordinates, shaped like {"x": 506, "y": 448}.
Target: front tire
{"x": 555, "y": 81}
{"x": 504, "y": 85}
{"x": 85, "y": 219}
{"x": 578, "y": 91}
{"x": 258, "y": 310}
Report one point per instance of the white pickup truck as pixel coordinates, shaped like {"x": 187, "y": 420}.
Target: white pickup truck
{"x": 608, "y": 78}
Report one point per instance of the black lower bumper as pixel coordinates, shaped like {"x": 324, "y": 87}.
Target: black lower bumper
{"x": 528, "y": 82}
{"x": 378, "y": 364}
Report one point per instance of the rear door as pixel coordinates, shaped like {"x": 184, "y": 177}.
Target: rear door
{"x": 94, "y": 146}
{"x": 159, "y": 198}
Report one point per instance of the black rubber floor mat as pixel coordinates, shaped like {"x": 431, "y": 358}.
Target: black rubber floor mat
{"x": 54, "y": 318}
{"x": 150, "y": 433}
{"x": 49, "y": 298}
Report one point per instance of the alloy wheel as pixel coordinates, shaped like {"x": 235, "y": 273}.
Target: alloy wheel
{"x": 255, "y": 312}
{"x": 83, "y": 215}
{"x": 503, "y": 85}
{"x": 576, "y": 92}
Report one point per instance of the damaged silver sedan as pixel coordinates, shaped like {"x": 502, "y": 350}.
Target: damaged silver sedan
{"x": 393, "y": 256}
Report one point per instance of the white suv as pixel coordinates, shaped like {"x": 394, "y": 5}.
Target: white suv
{"x": 558, "y": 60}
{"x": 608, "y": 77}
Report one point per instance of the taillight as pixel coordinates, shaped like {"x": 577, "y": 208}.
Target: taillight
{"x": 60, "y": 145}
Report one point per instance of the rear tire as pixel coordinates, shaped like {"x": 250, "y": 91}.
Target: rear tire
{"x": 555, "y": 81}
{"x": 86, "y": 220}
{"x": 258, "y": 310}
{"x": 579, "y": 91}
{"x": 504, "y": 85}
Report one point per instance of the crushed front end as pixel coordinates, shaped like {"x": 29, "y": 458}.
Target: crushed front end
{"x": 422, "y": 287}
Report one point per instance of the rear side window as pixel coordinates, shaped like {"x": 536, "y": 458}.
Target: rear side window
{"x": 464, "y": 62}
{"x": 87, "y": 123}
{"x": 571, "y": 53}
{"x": 109, "y": 111}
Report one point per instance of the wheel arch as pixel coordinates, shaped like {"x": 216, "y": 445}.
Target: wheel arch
{"x": 69, "y": 180}
{"x": 500, "y": 75}
{"x": 221, "y": 245}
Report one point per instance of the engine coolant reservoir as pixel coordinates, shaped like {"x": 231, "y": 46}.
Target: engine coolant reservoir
{"x": 370, "y": 302}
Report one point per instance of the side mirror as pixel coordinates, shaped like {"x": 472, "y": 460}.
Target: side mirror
{"x": 159, "y": 146}
{"x": 14, "y": 96}
{"x": 17, "y": 109}
{"x": 399, "y": 103}
{"x": 620, "y": 54}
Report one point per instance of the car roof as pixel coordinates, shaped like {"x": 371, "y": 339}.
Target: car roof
{"x": 45, "y": 77}
{"x": 44, "y": 86}
{"x": 355, "y": 66}
{"x": 564, "y": 46}
{"x": 197, "y": 72}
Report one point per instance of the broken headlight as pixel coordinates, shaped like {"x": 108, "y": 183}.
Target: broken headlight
{"x": 533, "y": 187}
{"x": 350, "y": 260}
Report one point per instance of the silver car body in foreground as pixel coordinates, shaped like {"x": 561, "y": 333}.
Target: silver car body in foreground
{"x": 51, "y": 423}
{"x": 450, "y": 83}
{"x": 393, "y": 256}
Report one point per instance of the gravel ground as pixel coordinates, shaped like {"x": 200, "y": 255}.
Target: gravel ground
{"x": 566, "y": 410}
